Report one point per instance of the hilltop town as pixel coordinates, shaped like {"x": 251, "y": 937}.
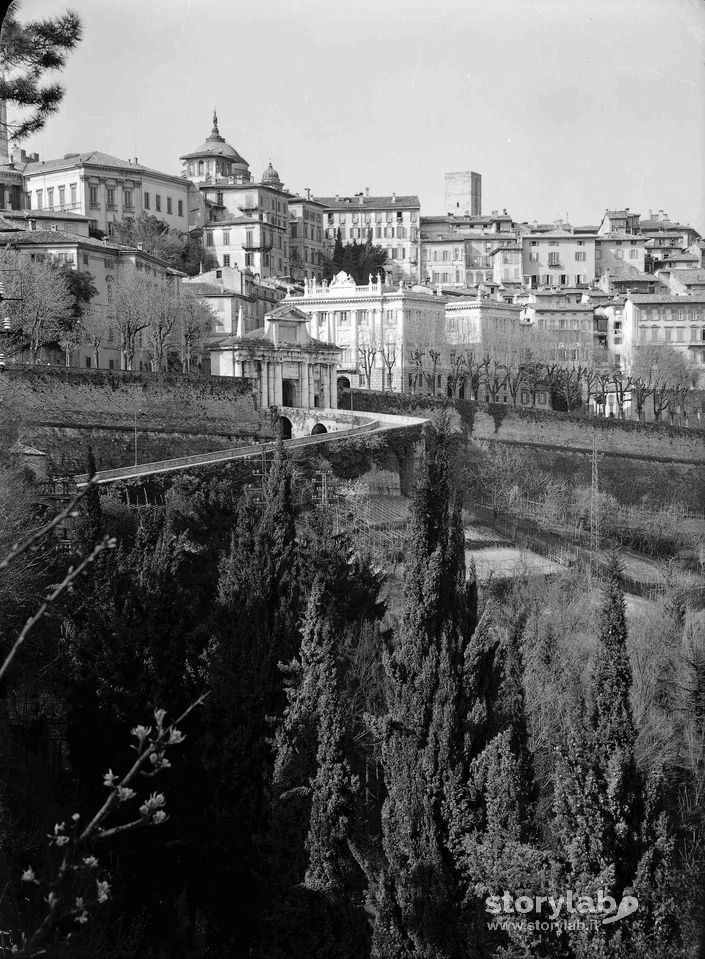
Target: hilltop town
{"x": 352, "y": 551}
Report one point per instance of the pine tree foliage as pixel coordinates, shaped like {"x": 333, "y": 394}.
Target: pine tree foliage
{"x": 28, "y": 51}
{"x": 420, "y": 732}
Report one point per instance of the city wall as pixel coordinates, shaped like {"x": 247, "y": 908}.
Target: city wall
{"x": 63, "y": 411}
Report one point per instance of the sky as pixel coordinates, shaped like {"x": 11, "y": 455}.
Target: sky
{"x": 563, "y": 106}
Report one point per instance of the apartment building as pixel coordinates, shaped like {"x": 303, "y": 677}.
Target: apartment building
{"x": 664, "y": 319}
{"x": 391, "y": 221}
{"x": 306, "y": 242}
{"x": 456, "y": 251}
{"x": 558, "y": 258}
{"x": 105, "y": 188}
{"x": 390, "y": 320}
{"x": 107, "y": 264}
{"x": 236, "y": 297}
{"x": 472, "y": 322}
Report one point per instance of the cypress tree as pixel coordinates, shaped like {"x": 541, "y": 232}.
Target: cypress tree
{"x": 418, "y": 909}
{"x": 254, "y": 628}
{"x": 338, "y": 251}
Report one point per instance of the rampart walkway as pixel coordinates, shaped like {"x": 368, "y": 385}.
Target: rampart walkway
{"x": 378, "y": 424}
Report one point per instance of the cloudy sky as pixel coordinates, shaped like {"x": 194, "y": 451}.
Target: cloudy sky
{"x": 563, "y": 107}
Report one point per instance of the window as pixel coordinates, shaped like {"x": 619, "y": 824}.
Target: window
{"x": 534, "y": 257}
{"x": 620, "y": 254}
{"x": 111, "y": 197}
{"x": 168, "y": 204}
{"x": 50, "y": 198}
{"x": 581, "y": 256}
{"x": 127, "y": 199}
{"x": 146, "y": 201}
{"x": 40, "y": 194}
{"x": 524, "y": 397}
{"x": 542, "y": 398}
{"x": 209, "y": 238}
{"x": 157, "y": 202}
{"x": 249, "y": 235}
{"x": 88, "y": 362}
{"x": 344, "y": 318}
{"x": 226, "y": 259}
{"x": 553, "y": 242}
{"x": 226, "y": 237}
{"x": 553, "y": 259}
{"x": 72, "y": 190}
{"x": 633, "y": 254}
{"x": 180, "y": 207}
{"x": 85, "y": 259}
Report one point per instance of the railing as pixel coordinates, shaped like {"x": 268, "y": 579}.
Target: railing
{"x": 219, "y": 456}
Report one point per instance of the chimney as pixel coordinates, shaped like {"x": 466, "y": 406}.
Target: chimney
{"x": 367, "y": 191}
{"x": 394, "y": 198}
{"x": 361, "y": 200}
{"x": 337, "y": 198}
{"x": 308, "y": 193}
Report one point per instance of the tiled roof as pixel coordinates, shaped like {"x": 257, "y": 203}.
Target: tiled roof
{"x": 58, "y": 237}
{"x": 23, "y": 215}
{"x": 92, "y": 158}
{"x": 619, "y": 235}
{"x": 22, "y": 238}
{"x": 654, "y": 298}
{"x": 370, "y": 202}
{"x": 689, "y": 276}
{"x": 208, "y": 289}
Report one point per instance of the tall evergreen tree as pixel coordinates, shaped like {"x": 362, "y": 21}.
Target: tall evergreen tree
{"x": 418, "y": 914}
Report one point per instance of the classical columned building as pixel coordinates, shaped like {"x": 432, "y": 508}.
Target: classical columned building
{"x": 288, "y": 366}
{"x": 376, "y": 327}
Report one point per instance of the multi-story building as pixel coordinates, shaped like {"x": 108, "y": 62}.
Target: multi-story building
{"x": 664, "y": 237}
{"x": 234, "y": 296}
{"x": 507, "y": 264}
{"x": 613, "y": 251}
{"x": 558, "y": 258}
{"x": 664, "y": 319}
{"x": 619, "y": 221}
{"x": 384, "y": 322}
{"x": 564, "y": 331}
{"x": 105, "y": 188}
{"x": 391, "y": 221}
{"x": 480, "y": 320}
{"x": 107, "y": 264}
{"x": 306, "y": 243}
{"x": 456, "y": 251}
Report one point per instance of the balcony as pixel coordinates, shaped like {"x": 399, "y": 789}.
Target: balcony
{"x": 248, "y": 210}
{"x": 260, "y": 247}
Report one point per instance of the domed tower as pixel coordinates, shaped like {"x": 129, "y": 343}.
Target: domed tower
{"x": 215, "y": 159}
{"x": 270, "y": 177}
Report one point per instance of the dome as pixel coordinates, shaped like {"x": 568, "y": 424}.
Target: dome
{"x": 216, "y": 146}
{"x": 271, "y": 176}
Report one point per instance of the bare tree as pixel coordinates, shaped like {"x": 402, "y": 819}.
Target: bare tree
{"x": 367, "y": 352}
{"x": 416, "y": 356}
{"x": 43, "y": 306}
{"x": 164, "y": 311}
{"x": 194, "y": 322}
{"x": 133, "y": 302}
{"x": 389, "y": 359}
{"x": 99, "y": 331}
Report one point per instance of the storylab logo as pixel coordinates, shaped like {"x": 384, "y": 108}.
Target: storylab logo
{"x": 545, "y": 913}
